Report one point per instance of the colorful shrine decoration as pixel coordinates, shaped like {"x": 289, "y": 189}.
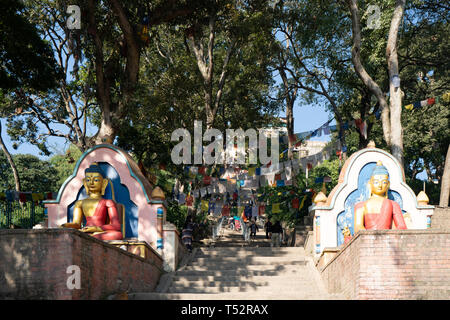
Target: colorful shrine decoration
{"x": 127, "y": 186}
{"x": 160, "y": 216}
{"x": 95, "y": 209}
{"x": 371, "y": 194}
{"x": 378, "y": 212}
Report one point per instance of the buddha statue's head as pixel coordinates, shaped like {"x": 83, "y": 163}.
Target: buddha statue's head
{"x": 379, "y": 180}
{"x": 95, "y": 181}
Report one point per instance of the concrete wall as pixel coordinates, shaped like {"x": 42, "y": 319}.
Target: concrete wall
{"x": 441, "y": 218}
{"x": 174, "y": 250}
{"x": 33, "y": 265}
{"x": 392, "y": 264}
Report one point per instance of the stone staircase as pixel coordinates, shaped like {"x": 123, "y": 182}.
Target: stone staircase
{"x": 232, "y": 269}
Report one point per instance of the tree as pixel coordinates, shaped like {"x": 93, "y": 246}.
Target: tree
{"x": 310, "y": 36}
{"x": 10, "y": 161}
{"x": 391, "y": 116}
{"x": 28, "y": 62}
{"x": 171, "y": 93}
{"x": 100, "y": 87}
{"x": 25, "y": 63}
{"x": 64, "y": 164}
{"x": 35, "y": 175}
{"x": 227, "y": 26}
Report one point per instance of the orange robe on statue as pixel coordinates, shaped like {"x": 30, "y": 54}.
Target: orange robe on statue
{"x": 390, "y": 210}
{"x": 112, "y": 231}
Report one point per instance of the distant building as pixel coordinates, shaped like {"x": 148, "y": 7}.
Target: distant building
{"x": 309, "y": 147}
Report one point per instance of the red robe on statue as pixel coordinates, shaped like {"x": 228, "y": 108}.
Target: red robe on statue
{"x": 113, "y": 229}
{"x": 390, "y": 211}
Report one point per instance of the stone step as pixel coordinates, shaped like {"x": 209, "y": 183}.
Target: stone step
{"x": 245, "y": 252}
{"x": 249, "y": 271}
{"x": 238, "y": 243}
{"x": 232, "y": 269}
{"x": 249, "y": 288}
{"x": 273, "y": 282}
{"x": 257, "y": 265}
{"x": 256, "y": 250}
{"x": 249, "y": 260}
{"x": 306, "y": 276}
{"x": 241, "y": 296}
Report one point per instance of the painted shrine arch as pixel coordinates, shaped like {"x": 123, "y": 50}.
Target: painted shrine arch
{"x": 138, "y": 186}
{"x": 337, "y": 210}
{"x": 348, "y": 178}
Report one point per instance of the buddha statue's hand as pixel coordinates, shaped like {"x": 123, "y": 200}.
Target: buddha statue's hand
{"x": 92, "y": 229}
{"x": 70, "y": 225}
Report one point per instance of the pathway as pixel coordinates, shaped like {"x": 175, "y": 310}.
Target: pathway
{"x": 231, "y": 269}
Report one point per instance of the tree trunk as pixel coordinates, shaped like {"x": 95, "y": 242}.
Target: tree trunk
{"x": 362, "y": 73}
{"x": 445, "y": 182}
{"x": 105, "y": 81}
{"x": 395, "y": 100}
{"x": 290, "y": 100}
{"x": 206, "y": 64}
{"x": 290, "y": 126}
{"x": 10, "y": 160}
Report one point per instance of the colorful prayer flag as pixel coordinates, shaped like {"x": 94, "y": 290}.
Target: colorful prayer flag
{"x": 205, "y": 205}
{"x": 276, "y": 208}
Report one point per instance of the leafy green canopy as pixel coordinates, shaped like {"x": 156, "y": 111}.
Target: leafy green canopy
{"x": 26, "y": 60}
{"x": 35, "y": 175}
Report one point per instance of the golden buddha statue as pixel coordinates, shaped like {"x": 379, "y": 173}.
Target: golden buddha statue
{"x": 378, "y": 212}
{"x": 96, "y": 209}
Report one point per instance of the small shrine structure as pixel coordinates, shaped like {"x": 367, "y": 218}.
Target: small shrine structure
{"x": 143, "y": 217}
{"x": 334, "y": 216}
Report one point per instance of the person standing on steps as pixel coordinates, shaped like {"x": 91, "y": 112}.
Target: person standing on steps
{"x": 253, "y": 229}
{"x": 277, "y": 231}
{"x": 245, "y": 226}
{"x": 268, "y": 226}
{"x": 186, "y": 233}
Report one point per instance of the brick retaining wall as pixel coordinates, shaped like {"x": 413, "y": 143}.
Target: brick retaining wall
{"x": 33, "y": 265}
{"x": 392, "y": 264}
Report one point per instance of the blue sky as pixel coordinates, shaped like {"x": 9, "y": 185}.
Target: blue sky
{"x": 306, "y": 118}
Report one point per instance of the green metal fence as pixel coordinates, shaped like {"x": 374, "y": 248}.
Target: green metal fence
{"x": 17, "y": 214}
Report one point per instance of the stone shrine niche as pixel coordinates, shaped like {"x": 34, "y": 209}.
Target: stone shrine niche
{"x": 347, "y": 217}
{"x": 335, "y": 212}
{"x": 127, "y": 186}
{"x": 118, "y": 192}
